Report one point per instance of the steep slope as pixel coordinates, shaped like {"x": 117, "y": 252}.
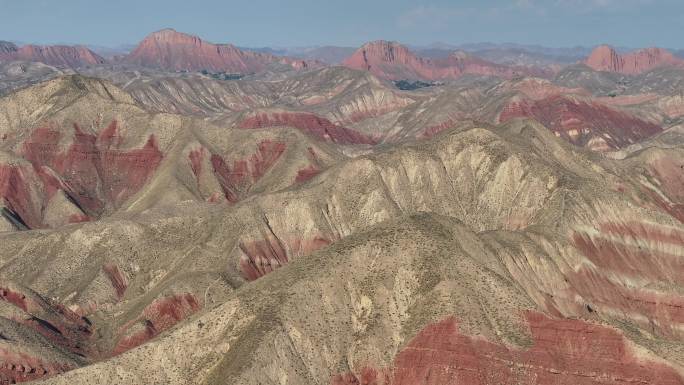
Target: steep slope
{"x": 177, "y": 51}
{"x": 538, "y": 256}
{"x": 264, "y": 240}
{"x": 605, "y": 58}
{"x": 54, "y": 55}
{"x": 370, "y": 312}
{"x": 583, "y": 122}
{"x": 19, "y": 74}
{"x": 76, "y": 149}
{"x": 84, "y": 141}
{"x": 340, "y": 95}
{"x": 390, "y": 60}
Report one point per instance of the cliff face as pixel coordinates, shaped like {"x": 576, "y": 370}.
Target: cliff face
{"x": 390, "y": 60}
{"x": 605, "y": 58}
{"x": 171, "y": 50}
{"x": 54, "y": 55}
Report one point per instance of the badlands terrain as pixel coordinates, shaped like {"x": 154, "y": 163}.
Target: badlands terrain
{"x": 199, "y": 213}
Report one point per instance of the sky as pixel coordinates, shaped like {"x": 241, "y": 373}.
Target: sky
{"x": 274, "y": 23}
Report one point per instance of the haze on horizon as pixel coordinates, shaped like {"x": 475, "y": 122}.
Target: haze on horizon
{"x": 257, "y": 23}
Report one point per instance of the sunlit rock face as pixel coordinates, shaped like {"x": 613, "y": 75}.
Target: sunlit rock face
{"x": 605, "y": 58}
{"x": 391, "y": 60}
{"x": 54, "y": 55}
{"x": 175, "y": 51}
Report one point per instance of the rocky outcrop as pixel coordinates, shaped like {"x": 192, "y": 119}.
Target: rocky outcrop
{"x": 54, "y": 55}
{"x": 582, "y": 122}
{"x": 238, "y": 178}
{"x": 606, "y": 58}
{"x": 117, "y": 278}
{"x": 90, "y": 168}
{"x": 160, "y": 315}
{"x": 175, "y": 51}
{"x": 390, "y": 60}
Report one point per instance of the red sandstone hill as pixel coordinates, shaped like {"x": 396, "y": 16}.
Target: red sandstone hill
{"x": 54, "y": 55}
{"x": 605, "y": 58}
{"x": 172, "y": 50}
{"x": 390, "y": 60}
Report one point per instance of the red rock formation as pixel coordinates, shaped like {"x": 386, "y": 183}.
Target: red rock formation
{"x": 668, "y": 174}
{"x": 578, "y": 121}
{"x": 308, "y": 123}
{"x": 79, "y": 218}
{"x": 196, "y": 157}
{"x": 310, "y": 171}
{"x": 117, "y": 278}
{"x": 390, "y": 60}
{"x": 306, "y": 173}
{"x": 238, "y": 179}
{"x": 564, "y": 351}
{"x": 17, "y": 191}
{"x": 627, "y": 259}
{"x": 605, "y": 58}
{"x": 123, "y": 173}
{"x": 646, "y": 231}
{"x": 94, "y": 171}
{"x": 171, "y": 50}
{"x": 160, "y": 315}
{"x": 264, "y": 256}
{"x": 54, "y": 321}
{"x": 625, "y": 252}
{"x": 57, "y": 55}
{"x": 433, "y": 130}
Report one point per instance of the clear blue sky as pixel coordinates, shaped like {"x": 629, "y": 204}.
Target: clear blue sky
{"x": 254, "y": 23}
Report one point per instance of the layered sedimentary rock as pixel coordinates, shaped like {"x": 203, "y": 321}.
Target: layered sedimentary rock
{"x": 177, "y": 51}
{"x": 311, "y": 124}
{"x": 54, "y": 55}
{"x": 270, "y": 242}
{"x": 606, "y": 58}
{"x": 562, "y": 352}
{"x": 390, "y": 60}
{"x": 584, "y": 123}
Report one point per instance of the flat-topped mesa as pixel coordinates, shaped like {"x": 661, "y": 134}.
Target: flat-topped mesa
{"x": 606, "y": 58}
{"x": 391, "y": 60}
{"x": 388, "y": 51}
{"x": 54, "y": 55}
{"x": 176, "y": 51}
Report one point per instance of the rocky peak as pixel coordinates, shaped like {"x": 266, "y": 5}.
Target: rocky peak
{"x": 606, "y": 58}
{"x": 172, "y": 37}
{"x": 386, "y": 51}
{"x": 177, "y": 51}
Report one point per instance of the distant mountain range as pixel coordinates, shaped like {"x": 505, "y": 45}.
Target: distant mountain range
{"x": 176, "y": 51}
